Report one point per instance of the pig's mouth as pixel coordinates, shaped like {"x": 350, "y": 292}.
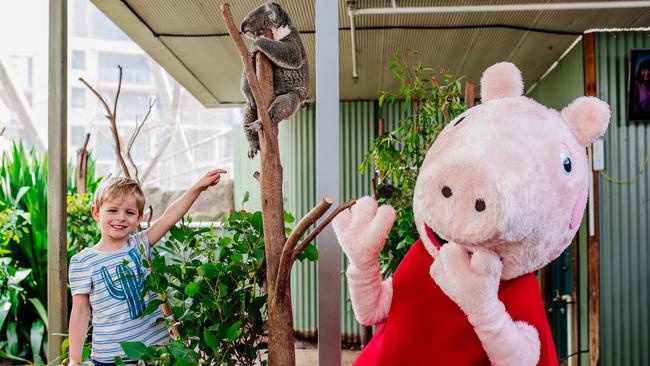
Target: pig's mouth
{"x": 436, "y": 239}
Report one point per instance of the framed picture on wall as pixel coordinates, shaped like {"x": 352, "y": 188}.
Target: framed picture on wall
{"x": 638, "y": 90}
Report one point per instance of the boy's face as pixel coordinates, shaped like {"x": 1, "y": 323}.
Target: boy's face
{"x": 117, "y": 218}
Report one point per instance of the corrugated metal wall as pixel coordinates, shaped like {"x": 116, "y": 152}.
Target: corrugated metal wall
{"x": 624, "y": 212}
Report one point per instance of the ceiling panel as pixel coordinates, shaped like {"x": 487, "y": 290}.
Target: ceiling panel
{"x": 189, "y": 40}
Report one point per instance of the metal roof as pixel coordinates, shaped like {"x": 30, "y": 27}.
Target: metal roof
{"x": 189, "y": 39}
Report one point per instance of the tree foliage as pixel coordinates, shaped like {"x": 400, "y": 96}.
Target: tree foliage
{"x": 430, "y": 102}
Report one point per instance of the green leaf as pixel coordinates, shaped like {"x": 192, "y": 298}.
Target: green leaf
{"x": 40, "y": 309}
{"x": 137, "y": 350}
{"x": 5, "y": 307}
{"x": 152, "y": 306}
{"x": 311, "y": 253}
{"x": 192, "y": 288}
{"x": 210, "y": 339}
{"x": 288, "y": 218}
{"x": 208, "y": 271}
{"x": 36, "y": 339}
{"x": 256, "y": 221}
{"x": 12, "y": 339}
{"x": 233, "y": 331}
{"x": 6, "y": 355}
{"x": 246, "y": 197}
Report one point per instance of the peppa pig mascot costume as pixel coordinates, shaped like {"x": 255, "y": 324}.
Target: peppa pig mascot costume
{"x": 500, "y": 194}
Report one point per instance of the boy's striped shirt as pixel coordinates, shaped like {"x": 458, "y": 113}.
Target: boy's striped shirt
{"x": 114, "y": 283}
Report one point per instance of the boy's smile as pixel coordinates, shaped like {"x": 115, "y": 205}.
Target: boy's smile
{"x": 116, "y": 220}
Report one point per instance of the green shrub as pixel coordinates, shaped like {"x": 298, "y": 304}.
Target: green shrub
{"x": 23, "y": 221}
{"x": 397, "y": 155}
{"x": 213, "y": 278}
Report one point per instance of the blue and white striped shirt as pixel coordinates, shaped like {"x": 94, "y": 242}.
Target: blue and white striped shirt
{"x": 114, "y": 283}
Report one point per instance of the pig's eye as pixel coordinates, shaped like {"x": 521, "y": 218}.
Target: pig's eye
{"x": 565, "y": 159}
{"x": 459, "y": 121}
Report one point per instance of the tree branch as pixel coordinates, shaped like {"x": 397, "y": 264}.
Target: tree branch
{"x": 260, "y": 98}
{"x": 134, "y": 135}
{"x": 286, "y": 258}
{"x": 111, "y": 115}
{"x": 82, "y": 166}
{"x": 300, "y": 248}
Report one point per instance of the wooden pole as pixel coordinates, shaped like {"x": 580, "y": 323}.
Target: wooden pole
{"x": 593, "y": 251}
{"x": 57, "y": 258}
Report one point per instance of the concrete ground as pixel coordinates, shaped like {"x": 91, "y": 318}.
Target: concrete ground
{"x": 309, "y": 357}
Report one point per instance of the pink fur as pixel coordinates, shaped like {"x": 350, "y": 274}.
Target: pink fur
{"x": 362, "y": 233}
{"x": 587, "y": 117}
{"x": 371, "y": 297}
{"x": 472, "y": 282}
{"x": 501, "y": 80}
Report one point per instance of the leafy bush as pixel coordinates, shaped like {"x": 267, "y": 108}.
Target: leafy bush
{"x": 397, "y": 155}
{"x": 82, "y": 229}
{"x": 23, "y": 225}
{"x": 22, "y": 317}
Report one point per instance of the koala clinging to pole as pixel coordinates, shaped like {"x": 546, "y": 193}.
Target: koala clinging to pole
{"x": 290, "y": 67}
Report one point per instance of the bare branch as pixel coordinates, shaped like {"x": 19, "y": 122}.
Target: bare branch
{"x": 82, "y": 166}
{"x": 134, "y": 135}
{"x": 260, "y": 98}
{"x": 119, "y": 88}
{"x": 111, "y": 115}
{"x": 300, "y": 248}
{"x": 150, "y": 216}
{"x": 3, "y": 131}
{"x": 286, "y": 259}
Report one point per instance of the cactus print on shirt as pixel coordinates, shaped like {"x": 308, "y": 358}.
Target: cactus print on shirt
{"x": 114, "y": 282}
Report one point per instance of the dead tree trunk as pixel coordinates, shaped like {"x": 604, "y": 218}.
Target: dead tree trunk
{"x": 82, "y": 167}
{"x": 280, "y": 252}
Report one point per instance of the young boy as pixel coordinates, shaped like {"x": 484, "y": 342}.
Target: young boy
{"x": 107, "y": 278}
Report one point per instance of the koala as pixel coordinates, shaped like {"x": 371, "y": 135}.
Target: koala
{"x": 290, "y": 67}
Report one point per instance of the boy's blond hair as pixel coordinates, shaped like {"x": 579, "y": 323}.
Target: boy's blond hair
{"x": 117, "y": 188}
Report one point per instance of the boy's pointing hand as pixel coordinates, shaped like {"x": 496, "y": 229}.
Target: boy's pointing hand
{"x": 210, "y": 179}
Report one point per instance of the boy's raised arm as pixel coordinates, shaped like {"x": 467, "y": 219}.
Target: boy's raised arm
{"x": 78, "y": 327}
{"x": 180, "y": 206}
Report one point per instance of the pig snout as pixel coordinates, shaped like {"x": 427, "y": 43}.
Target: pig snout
{"x": 464, "y": 203}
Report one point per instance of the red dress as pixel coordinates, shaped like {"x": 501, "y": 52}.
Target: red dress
{"x": 425, "y": 327}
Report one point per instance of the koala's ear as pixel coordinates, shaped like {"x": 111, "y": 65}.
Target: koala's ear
{"x": 501, "y": 80}
{"x": 587, "y": 117}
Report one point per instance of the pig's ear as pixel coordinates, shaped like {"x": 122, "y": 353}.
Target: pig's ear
{"x": 501, "y": 80}
{"x": 587, "y": 117}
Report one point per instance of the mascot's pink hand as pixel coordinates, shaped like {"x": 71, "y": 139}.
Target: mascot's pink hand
{"x": 470, "y": 280}
{"x": 362, "y": 231}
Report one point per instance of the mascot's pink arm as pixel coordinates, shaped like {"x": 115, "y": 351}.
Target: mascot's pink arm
{"x": 362, "y": 233}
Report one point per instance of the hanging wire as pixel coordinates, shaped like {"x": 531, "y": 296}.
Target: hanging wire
{"x": 642, "y": 168}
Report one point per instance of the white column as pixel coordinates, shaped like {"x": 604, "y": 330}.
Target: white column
{"x": 327, "y": 179}
{"x": 57, "y": 259}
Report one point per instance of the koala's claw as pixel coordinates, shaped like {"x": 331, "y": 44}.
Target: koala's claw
{"x": 253, "y": 149}
{"x": 254, "y": 126}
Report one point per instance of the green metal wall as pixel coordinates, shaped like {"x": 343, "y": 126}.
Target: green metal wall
{"x": 559, "y": 88}
{"x": 624, "y": 212}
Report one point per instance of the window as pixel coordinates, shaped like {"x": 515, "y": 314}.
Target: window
{"x": 78, "y": 60}
{"x": 103, "y": 28}
{"x": 131, "y": 105}
{"x": 78, "y": 98}
{"x": 77, "y": 136}
{"x": 79, "y": 18}
{"x": 135, "y": 68}
{"x": 23, "y": 70}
